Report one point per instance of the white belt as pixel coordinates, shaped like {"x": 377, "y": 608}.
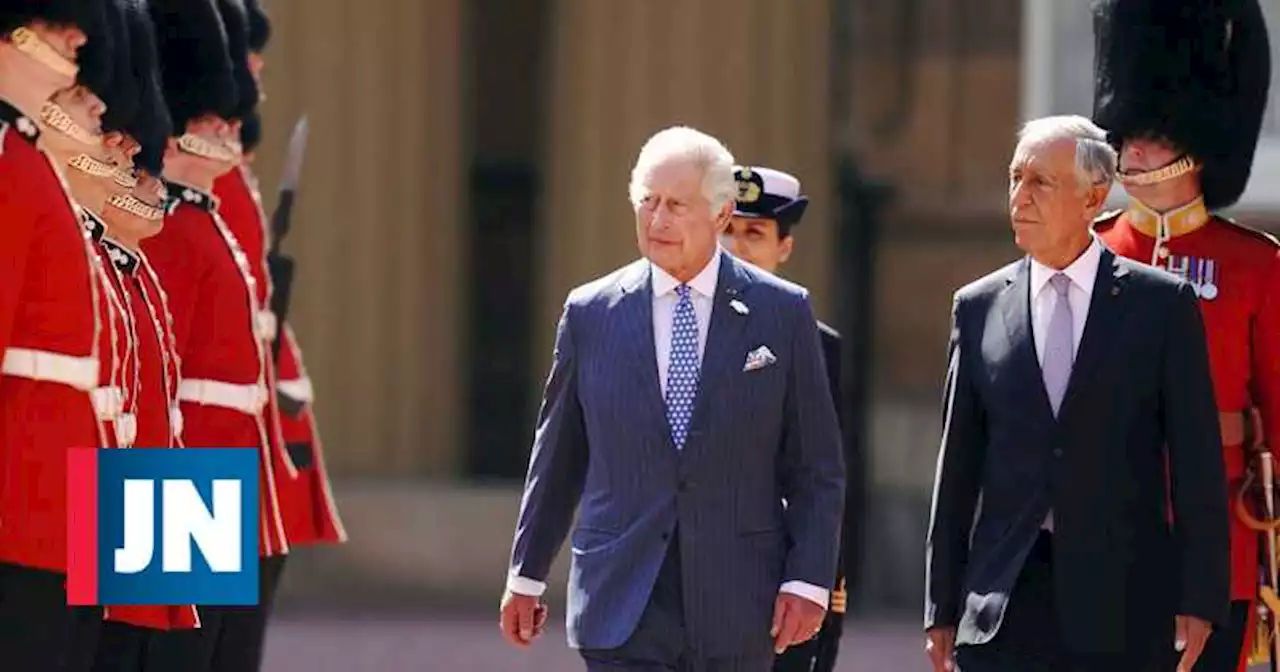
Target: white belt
{"x": 78, "y": 372}
{"x": 266, "y": 325}
{"x": 298, "y": 389}
{"x": 108, "y": 402}
{"x": 244, "y": 398}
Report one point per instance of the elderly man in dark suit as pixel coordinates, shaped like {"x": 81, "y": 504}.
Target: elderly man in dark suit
{"x": 770, "y": 205}
{"x": 1079, "y": 513}
{"x": 686, "y": 401}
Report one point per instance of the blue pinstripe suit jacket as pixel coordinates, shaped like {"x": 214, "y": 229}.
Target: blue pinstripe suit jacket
{"x": 603, "y": 448}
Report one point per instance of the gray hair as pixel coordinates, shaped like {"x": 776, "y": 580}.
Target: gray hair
{"x": 1096, "y": 159}
{"x": 683, "y": 144}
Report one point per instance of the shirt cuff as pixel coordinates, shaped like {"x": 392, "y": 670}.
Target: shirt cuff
{"x": 525, "y": 586}
{"x": 808, "y": 591}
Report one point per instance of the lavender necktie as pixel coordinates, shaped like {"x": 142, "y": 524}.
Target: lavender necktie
{"x": 1059, "y": 351}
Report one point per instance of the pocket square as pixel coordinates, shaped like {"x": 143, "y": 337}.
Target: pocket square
{"x": 759, "y": 358}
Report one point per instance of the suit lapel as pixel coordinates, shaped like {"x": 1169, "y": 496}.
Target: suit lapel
{"x": 1015, "y": 311}
{"x": 636, "y": 309}
{"x": 1099, "y": 327}
{"x": 725, "y": 352}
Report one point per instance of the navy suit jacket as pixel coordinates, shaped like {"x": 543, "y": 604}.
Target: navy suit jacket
{"x": 603, "y": 447}
{"x": 1137, "y": 433}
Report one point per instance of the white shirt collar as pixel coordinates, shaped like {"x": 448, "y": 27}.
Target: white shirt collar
{"x": 1083, "y": 271}
{"x": 703, "y": 283}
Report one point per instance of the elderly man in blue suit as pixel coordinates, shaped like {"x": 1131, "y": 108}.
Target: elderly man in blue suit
{"x": 687, "y": 401}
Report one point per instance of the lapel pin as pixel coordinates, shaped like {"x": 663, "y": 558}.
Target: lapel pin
{"x": 1115, "y": 291}
{"x": 739, "y": 307}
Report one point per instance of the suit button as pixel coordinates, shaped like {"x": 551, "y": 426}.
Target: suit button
{"x": 682, "y": 486}
{"x": 666, "y": 536}
{"x": 1057, "y": 452}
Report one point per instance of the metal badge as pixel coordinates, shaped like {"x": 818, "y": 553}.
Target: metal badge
{"x": 1208, "y": 279}
{"x": 1203, "y": 274}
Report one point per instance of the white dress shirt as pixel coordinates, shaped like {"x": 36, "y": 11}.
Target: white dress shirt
{"x": 703, "y": 286}
{"x": 1083, "y": 272}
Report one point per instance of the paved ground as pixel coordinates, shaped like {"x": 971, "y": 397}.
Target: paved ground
{"x": 439, "y": 644}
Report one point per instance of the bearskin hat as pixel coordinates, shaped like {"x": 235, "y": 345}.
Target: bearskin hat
{"x": 259, "y": 26}
{"x": 18, "y": 13}
{"x": 106, "y": 66}
{"x": 94, "y": 58}
{"x": 148, "y": 123}
{"x": 1193, "y": 72}
{"x": 235, "y": 19}
{"x": 198, "y": 77}
{"x": 251, "y": 131}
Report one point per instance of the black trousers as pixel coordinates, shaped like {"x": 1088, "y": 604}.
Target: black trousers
{"x": 38, "y": 631}
{"x": 1222, "y": 653}
{"x": 660, "y": 642}
{"x": 230, "y": 639}
{"x": 121, "y": 647}
{"x": 1029, "y": 638}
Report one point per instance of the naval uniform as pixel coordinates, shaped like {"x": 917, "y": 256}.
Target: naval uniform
{"x": 1236, "y": 273}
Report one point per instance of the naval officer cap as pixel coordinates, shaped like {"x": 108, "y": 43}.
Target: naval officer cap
{"x": 765, "y": 193}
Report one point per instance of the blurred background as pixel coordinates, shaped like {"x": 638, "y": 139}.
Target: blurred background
{"x": 468, "y": 165}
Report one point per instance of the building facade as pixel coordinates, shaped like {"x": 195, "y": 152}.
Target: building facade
{"x": 468, "y": 166}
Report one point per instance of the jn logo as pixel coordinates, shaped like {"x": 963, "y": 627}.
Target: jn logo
{"x": 163, "y": 526}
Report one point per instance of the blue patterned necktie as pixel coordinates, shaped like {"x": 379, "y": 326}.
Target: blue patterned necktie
{"x": 1059, "y": 346}
{"x": 682, "y": 368}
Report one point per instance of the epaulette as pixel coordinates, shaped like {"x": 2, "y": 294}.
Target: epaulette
{"x": 1256, "y": 233}
{"x": 1107, "y": 217}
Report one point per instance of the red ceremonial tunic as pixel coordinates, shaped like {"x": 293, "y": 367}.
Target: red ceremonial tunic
{"x": 1236, "y": 272}
{"x": 48, "y": 336}
{"x": 115, "y": 397}
{"x": 313, "y": 519}
{"x": 213, "y": 298}
{"x": 306, "y": 498}
{"x": 153, "y": 379}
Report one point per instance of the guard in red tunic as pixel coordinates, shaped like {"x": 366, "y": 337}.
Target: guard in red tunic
{"x": 213, "y": 298}
{"x": 71, "y": 124}
{"x": 121, "y": 205}
{"x": 306, "y": 497}
{"x": 49, "y": 327}
{"x": 73, "y": 121}
{"x": 1182, "y": 88}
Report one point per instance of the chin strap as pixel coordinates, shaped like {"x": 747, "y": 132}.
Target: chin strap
{"x": 198, "y": 146}
{"x": 31, "y": 44}
{"x": 1176, "y": 169}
